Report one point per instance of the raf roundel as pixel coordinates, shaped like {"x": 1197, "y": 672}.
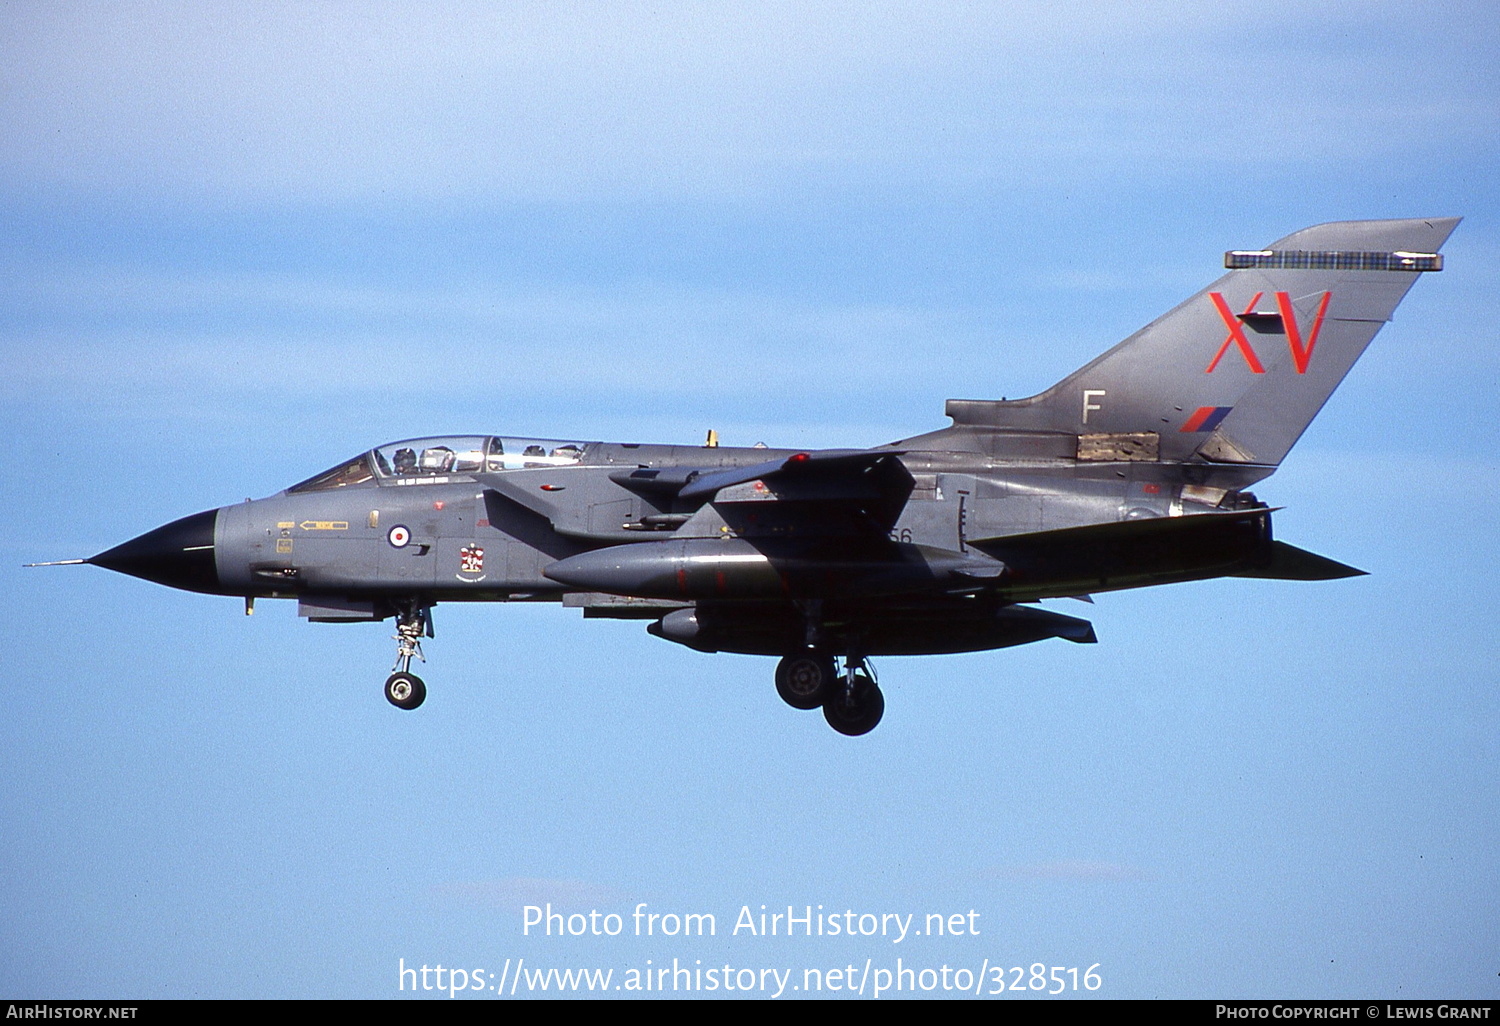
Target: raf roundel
{"x": 398, "y": 536}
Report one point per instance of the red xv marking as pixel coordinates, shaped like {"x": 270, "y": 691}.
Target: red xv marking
{"x": 1301, "y": 357}
{"x": 1236, "y": 334}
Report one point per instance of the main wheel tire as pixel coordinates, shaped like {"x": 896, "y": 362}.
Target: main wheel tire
{"x": 858, "y": 714}
{"x": 805, "y": 680}
{"x": 405, "y": 690}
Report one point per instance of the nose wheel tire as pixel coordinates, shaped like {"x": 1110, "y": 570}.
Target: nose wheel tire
{"x": 855, "y": 712}
{"x": 805, "y": 680}
{"x": 405, "y": 690}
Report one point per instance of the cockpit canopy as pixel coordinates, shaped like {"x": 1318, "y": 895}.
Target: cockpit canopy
{"x": 428, "y": 459}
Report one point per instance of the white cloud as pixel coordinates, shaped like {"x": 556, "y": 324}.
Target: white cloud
{"x": 112, "y": 336}
{"x": 474, "y": 102}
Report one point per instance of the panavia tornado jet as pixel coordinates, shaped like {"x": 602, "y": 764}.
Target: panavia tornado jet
{"x": 1131, "y": 471}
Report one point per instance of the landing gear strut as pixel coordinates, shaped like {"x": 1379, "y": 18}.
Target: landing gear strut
{"x": 404, "y": 689}
{"x": 856, "y": 705}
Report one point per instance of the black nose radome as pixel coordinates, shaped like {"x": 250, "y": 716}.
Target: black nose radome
{"x": 179, "y": 554}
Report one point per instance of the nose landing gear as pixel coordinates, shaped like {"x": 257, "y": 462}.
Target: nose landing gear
{"x": 404, "y": 689}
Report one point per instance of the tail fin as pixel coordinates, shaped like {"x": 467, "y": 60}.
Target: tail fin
{"x": 1236, "y": 374}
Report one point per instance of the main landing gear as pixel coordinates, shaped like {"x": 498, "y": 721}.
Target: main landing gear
{"x": 851, "y": 700}
{"x": 405, "y": 689}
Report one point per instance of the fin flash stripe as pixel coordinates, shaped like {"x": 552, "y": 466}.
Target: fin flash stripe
{"x": 1206, "y": 418}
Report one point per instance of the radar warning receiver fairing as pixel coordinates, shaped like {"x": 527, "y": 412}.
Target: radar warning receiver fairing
{"x": 1131, "y": 471}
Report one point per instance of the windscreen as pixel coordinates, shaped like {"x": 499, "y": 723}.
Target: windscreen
{"x": 350, "y": 472}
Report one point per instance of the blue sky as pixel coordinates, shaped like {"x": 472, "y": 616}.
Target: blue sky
{"x": 239, "y": 244}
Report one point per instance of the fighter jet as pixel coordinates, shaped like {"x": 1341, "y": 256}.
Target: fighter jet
{"x": 1131, "y": 471}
